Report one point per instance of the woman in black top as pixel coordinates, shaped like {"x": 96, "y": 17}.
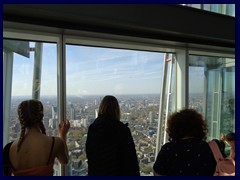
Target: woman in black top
{"x": 187, "y": 153}
{"x": 109, "y": 147}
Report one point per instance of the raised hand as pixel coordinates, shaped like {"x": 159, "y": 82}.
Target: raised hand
{"x": 63, "y": 128}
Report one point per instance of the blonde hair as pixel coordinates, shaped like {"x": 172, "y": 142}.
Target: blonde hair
{"x": 109, "y": 107}
{"x": 30, "y": 114}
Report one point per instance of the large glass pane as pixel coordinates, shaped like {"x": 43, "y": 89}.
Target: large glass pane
{"x": 228, "y": 96}
{"x": 134, "y": 77}
{"x": 212, "y": 92}
{"x": 34, "y": 76}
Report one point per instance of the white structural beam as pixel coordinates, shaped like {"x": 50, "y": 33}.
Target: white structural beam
{"x": 61, "y": 86}
{"x": 182, "y": 79}
{"x": 161, "y": 107}
{"x": 37, "y": 72}
{"x": 7, "y": 93}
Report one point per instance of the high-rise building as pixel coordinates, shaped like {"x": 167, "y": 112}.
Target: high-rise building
{"x": 84, "y": 122}
{"x": 53, "y": 123}
{"x": 72, "y": 112}
{"x": 95, "y": 102}
{"x": 150, "y": 117}
{"x": 54, "y": 112}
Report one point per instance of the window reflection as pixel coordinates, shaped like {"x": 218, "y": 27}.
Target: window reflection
{"x": 212, "y": 92}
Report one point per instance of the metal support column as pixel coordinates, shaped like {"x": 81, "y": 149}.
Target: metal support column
{"x": 7, "y": 93}
{"x": 161, "y": 107}
{"x": 182, "y": 79}
{"x": 37, "y": 71}
{"x": 61, "y": 86}
{"x": 167, "y": 103}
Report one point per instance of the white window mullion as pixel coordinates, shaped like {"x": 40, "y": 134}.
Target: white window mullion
{"x": 61, "y": 86}
{"x": 159, "y": 140}
{"x": 7, "y": 93}
{"x": 182, "y": 79}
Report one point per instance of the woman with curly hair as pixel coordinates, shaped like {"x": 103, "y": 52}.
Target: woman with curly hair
{"x": 187, "y": 153}
{"x": 33, "y": 153}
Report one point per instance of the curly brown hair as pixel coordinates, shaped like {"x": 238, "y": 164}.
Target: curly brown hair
{"x": 186, "y": 123}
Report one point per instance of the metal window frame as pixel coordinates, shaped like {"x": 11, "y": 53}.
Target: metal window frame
{"x": 61, "y": 39}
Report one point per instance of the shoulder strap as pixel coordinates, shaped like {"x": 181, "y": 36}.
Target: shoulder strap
{"x": 6, "y": 159}
{"x": 215, "y": 150}
{"x": 6, "y": 151}
{"x": 51, "y": 150}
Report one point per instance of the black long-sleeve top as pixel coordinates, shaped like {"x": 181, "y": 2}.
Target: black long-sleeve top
{"x": 110, "y": 149}
{"x": 185, "y": 157}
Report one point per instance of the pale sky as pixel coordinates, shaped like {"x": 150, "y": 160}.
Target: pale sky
{"x": 94, "y": 70}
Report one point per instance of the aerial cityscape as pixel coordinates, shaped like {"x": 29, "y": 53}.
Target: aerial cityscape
{"x": 139, "y": 111}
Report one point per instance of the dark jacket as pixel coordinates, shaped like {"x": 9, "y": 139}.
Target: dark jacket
{"x": 185, "y": 157}
{"x": 110, "y": 149}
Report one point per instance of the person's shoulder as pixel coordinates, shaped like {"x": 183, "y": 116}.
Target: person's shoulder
{"x": 57, "y": 141}
{"x": 204, "y": 143}
{"x": 169, "y": 147}
{"x": 122, "y": 129}
{"x": 196, "y": 142}
{"x": 177, "y": 143}
{"x": 122, "y": 125}
{"x": 169, "y": 144}
{"x": 99, "y": 121}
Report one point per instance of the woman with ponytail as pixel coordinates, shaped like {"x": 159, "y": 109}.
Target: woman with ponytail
{"x": 33, "y": 153}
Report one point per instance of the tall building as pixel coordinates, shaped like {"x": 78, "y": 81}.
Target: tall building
{"x": 53, "y": 123}
{"x": 150, "y": 117}
{"x": 72, "y": 112}
{"x": 84, "y": 122}
{"x": 54, "y": 112}
{"x": 95, "y": 102}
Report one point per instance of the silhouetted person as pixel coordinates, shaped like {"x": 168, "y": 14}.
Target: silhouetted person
{"x": 109, "y": 147}
{"x": 230, "y": 140}
{"x": 187, "y": 153}
{"x": 221, "y": 146}
{"x": 33, "y": 153}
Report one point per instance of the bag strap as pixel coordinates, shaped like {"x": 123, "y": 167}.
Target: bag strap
{"x": 215, "y": 150}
